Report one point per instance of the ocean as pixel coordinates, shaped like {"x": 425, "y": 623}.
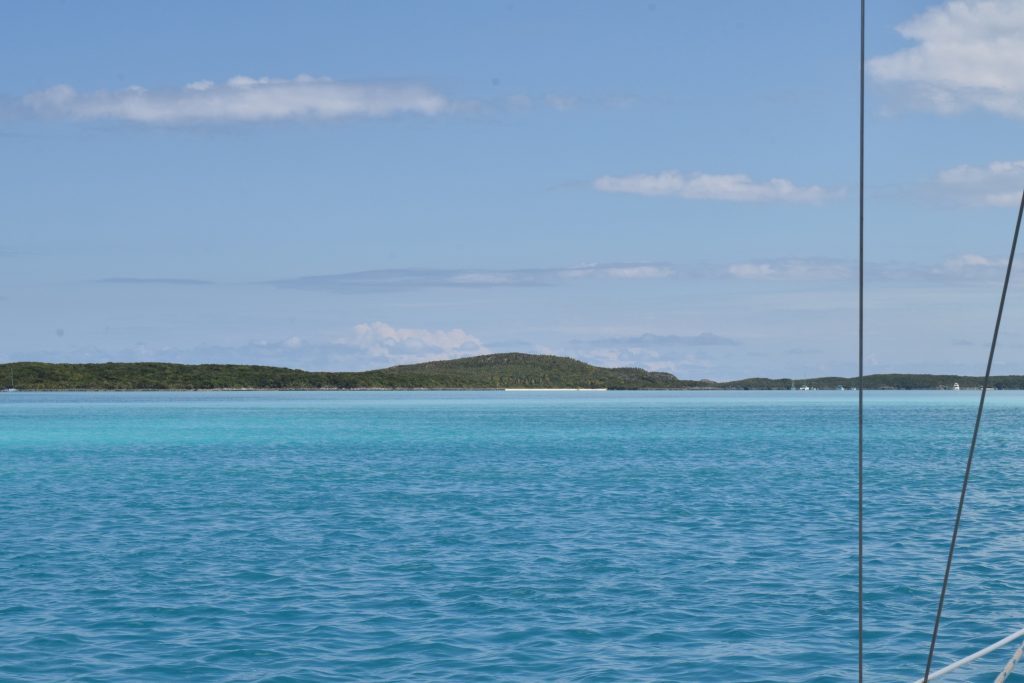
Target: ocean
{"x": 490, "y": 536}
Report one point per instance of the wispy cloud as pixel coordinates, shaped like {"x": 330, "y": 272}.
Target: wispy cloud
{"x": 152, "y": 281}
{"x": 240, "y": 99}
{"x": 685, "y": 354}
{"x": 378, "y": 344}
{"x": 552, "y": 101}
{"x": 687, "y": 365}
{"x": 419, "y": 278}
{"x": 791, "y": 269}
{"x": 654, "y": 341}
{"x": 561, "y": 102}
{"x": 967, "y": 266}
{"x": 730, "y": 187}
{"x": 956, "y": 269}
{"x": 970, "y": 266}
{"x": 967, "y": 54}
{"x": 367, "y": 346}
{"x": 997, "y": 184}
{"x": 963, "y": 267}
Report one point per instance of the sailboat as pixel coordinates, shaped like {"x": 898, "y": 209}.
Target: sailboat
{"x": 10, "y": 389}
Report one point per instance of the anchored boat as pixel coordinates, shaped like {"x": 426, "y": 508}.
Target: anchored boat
{"x": 11, "y": 389}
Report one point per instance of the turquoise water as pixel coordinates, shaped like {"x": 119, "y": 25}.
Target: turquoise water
{"x": 690, "y": 536}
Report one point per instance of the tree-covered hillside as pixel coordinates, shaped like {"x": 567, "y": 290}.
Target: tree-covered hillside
{"x": 495, "y": 371}
{"x": 524, "y": 370}
{"x": 892, "y": 381}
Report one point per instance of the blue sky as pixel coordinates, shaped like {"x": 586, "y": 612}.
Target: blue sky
{"x": 352, "y": 185}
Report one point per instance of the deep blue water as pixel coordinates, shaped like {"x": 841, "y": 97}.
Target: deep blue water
{"x": 663, "y": 536}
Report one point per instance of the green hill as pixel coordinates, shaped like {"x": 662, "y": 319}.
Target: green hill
{"x": 512, "y": 370}
{"x": 891, "y": 381}
{"x": 524, "y": 370}
{"x": 495, "y": 371}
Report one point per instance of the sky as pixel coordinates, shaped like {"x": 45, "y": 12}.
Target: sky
{"x": 351, "y": 185}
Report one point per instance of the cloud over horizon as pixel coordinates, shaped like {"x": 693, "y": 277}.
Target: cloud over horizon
{"x": 411, "y": 345}
{"x": 735, "y": 187}
{"x": 416, "y": 278}
{"x": 377, "y": 344}
{"x": 958, "y": 267}
{"x": 967, "y": 54}
{"x": 152, "y": 281}
{"x": 971, "y": 266}
{"x": 650, "y": 340}
{"x": 686, "y": 354}
{"x": 791, "y": 269}
{"x": 240, "y": 99}
{"x": 369, "y": 346}
{"x": 996, "y": 184}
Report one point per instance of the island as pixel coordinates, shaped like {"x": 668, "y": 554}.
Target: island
{"x": 493, "y": 371}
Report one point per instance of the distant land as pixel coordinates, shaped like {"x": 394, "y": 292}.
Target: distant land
{"x": 495, "y": 371}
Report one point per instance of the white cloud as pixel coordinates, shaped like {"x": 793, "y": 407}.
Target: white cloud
{"x": 620, "y": 272}
{"x": 971, "y": 265}
{"x": 681, "y": 362}
{"x": 240, "y": 99}
{"x": 731, "y": 187}
{"x": 997, "y": 184}
{"x": 1001, "y": 199}
{"x": 970, "y": 260}
{"x": 964, "y": 174}
{"x": 968, "y": 53}
{"x": 791, "y": 269}
{"x": 369, "y": 346}
{"x": 752, "y": 270}
{"x": 409, "y": 345}
{"x": 952, "y": 270}
{"x": 560, "y": 103}
{"x": 417, "y": 278}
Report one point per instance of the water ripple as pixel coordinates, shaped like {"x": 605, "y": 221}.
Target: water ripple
{"x": 621, "y": 537}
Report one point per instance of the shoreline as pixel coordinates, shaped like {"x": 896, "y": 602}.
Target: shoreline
{"x": 493, "y": 372}
{"x": 249, "y": 390}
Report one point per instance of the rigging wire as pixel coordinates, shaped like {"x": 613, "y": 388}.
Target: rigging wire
{"x": 974, "y": 441}
{"x": 860, "y": 383}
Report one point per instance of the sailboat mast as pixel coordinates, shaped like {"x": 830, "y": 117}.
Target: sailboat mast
{"x": 860, "y": 378}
